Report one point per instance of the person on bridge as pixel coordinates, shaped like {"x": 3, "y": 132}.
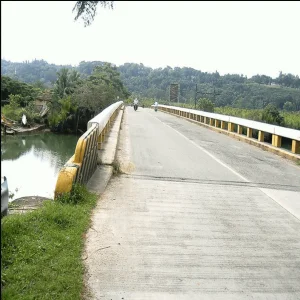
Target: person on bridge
{"x": 135, "y": 104}
{"x": 155, "y": 105}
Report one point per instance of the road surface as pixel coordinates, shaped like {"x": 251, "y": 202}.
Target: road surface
{"x": 195, "y": 215}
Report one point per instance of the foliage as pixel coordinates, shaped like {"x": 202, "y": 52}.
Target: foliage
{"x": 100, "y": 89}
{"x": 289, "y": 106}
{"x": 20, "y": 100}
{"x": 12, "y": 110}
{"x": 41, "y": 251}
{"x": 66, "y": 82}
{"x": 40, "y": 85}
{"x": 85, "y": 68}
{"x": 87, "y": 10}
{"x": 76, "y": 196}
{"x": 231, "y": 89}
{"x": 288, "y": 80}
{"x": 63, "y": 108}
{"x": 205, "y": 105}
{"x": 11, "y": 86}
{"x": 251, "y": 114}
{"x": 291, "y": 119}
{"x": 77, "y": 100}
{"x": 60, "y": 114}
{"x": 272, "y": 115}
{"x": 15, "y": 111}
{"x": 31, "y": 72}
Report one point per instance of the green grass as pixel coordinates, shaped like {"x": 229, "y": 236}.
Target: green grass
{"x": 41, "y": 251}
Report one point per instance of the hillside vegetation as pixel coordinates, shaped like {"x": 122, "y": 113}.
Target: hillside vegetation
{"x": 232, "y": 94}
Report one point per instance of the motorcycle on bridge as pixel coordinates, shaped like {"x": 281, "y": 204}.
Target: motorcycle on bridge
{"x": 135, "y": 104}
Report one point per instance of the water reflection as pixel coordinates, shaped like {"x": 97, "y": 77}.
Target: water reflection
{"x": 31, "y": 164}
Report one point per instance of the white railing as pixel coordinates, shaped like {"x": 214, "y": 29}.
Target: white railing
{"x": 218, "y": 120}
{"x": 81, "y": 166}
{"x": 103, "y": 118}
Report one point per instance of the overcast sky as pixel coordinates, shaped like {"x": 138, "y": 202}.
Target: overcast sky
{"x": 231, "y": 37}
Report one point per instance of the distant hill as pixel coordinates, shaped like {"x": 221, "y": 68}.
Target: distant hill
{"x": 230, "y": 90}
{"x": 31, "y": 72}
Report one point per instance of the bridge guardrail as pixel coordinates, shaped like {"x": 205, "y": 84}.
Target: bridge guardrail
{"x": 81, "y": 166}
{"x": 220, "y": 121}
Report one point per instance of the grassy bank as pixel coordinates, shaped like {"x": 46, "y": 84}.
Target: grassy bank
{"x": 41, "y": 251}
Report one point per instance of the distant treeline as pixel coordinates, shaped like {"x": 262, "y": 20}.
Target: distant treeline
{"x": 228, "y": 90}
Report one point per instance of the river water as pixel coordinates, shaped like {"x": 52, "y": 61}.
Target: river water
{"x": 31, "y": 163}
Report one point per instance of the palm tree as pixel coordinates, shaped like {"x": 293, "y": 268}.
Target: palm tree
{"x": 66, "y": 82}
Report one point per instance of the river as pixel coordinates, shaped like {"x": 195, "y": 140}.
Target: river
{"x": 31, "y": 163}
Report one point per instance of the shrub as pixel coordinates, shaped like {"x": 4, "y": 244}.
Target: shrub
{"x": 271, "y": 115}
{"x": 205, "y": 105}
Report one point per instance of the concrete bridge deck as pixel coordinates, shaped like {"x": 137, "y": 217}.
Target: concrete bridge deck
{"x": 195, "y": 215}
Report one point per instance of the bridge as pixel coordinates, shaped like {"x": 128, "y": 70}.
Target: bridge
{"x": 192, "y": 213}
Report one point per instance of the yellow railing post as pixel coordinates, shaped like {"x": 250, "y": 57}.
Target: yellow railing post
{"x": 296, "y": 146}
{"x": 99, "y": 142}
{"x": 249, "y": 132}
{"x": 240, "y": 129}
{"x": 261, "y": 136}
{"x": 230, "y": 127}
{"x": 65, "y": 180}
{"x": 276, "y": 140}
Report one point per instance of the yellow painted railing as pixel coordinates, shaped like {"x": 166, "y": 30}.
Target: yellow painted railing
{"x": 234, "y": 125}
{"x": 82, "y": 165}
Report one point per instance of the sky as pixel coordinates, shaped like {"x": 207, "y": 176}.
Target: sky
{"x": 233, "y": 37}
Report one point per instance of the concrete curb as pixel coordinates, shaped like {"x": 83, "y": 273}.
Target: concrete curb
{"x": 251, "y": 141}
{"x": 106, "y": 158}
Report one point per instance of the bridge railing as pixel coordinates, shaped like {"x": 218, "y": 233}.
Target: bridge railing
{"x": 82, "y": 165}
{"x": 234, "y": 124}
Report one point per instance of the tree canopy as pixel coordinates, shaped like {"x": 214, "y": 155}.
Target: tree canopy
{"x": 231, "y": 89}
{"x": 87, "y": 10}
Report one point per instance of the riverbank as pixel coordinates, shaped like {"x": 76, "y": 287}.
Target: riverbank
{"x": 42, "y": 249}
{"x": 25, "y": 130}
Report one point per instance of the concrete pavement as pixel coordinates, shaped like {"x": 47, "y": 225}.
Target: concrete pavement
{"x": 194, "y": 217}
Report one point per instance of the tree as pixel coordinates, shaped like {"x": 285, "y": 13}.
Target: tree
{"x": 87, "y": 10}
{"x": 109, "y": 74}
{"x": 101, "y": 89}
{"x": 205, "y": 105}
{"x": 271, "y": 115}
{"x": 10, "y": 86}
{"x": 146, "y": 82}
{"x": 289, "y": 106}
{"x": 66, "y": 82}
{"x": 39, "y": 84}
